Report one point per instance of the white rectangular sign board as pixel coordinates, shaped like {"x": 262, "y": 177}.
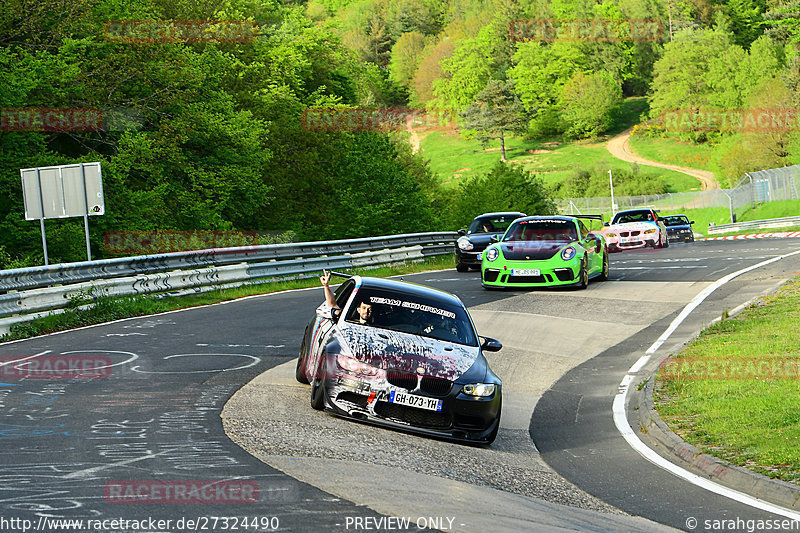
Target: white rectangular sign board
{"x": 63, "y": 191}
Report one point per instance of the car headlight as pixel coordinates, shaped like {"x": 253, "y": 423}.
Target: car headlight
{"x": 611, "y": 234}
{"x": 568, "y": 253}
{"x": 649, "y": 231}
{"x": 464, "y": 244}
{"x": 481, "y": 390}
{"x": 355, "y": 366}
{"x": 492, "y": 254}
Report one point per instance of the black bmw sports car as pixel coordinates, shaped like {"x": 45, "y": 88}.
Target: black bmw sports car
{"x": 402, "y": 355}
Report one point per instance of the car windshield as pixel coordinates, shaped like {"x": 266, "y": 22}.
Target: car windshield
{"x": 408, "y": 313}
{"x": 542, "y": 230}
{"x": 492, "y": 224}
{"x": 676, "y": 221}
{"x": 633, "y": 216}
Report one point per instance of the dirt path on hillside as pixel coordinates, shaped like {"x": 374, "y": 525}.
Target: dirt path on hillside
{"x": 620, "y": 147}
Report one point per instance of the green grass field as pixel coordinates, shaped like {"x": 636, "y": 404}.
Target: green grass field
{"x": 455, "y": 159}
{"x": 735, "y": 391}
{"x": 674, "y": 152}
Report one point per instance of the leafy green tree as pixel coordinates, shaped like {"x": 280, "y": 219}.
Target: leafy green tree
{"x": 540, "y": 73}
{"x": 496, "y": 112}
{"x": 505, "y": 188}
{"x": 746, "y": 18}
{"x": 465, "y": 73}
{"x": 704, "y": 69}
{"x": 406, "y": 57}
{"x": 589, "y": 102}
{"x": 430, "y": 70}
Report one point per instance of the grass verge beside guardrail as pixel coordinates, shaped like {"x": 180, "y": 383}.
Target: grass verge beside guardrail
{"x": 735, "y": 391}
{"x": 85, "y": 311}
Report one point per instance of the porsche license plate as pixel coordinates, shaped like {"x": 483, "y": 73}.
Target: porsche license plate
{"x": 412, "y": 400}
{"x": 526, "y": 272}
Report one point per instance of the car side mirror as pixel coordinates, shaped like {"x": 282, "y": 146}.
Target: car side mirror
{"x": 598, "y": 241}
{"x": 462, "y": 232}
{"x": 606, "y": 223}
{"x": 491, "y": 345}
{"x": 691, "y": 222}
{"x": 329, "y": 314}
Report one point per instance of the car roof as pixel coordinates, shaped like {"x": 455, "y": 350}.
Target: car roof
{"x": 549, "y": 217}
{"x": 637, "y": 210}
{"x": 500, "y": 214}
{"x": 412, "y": 289}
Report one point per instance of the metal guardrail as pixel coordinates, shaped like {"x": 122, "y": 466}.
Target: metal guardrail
{"x": 47, "y": 288}
{"x": 754, "y": 224}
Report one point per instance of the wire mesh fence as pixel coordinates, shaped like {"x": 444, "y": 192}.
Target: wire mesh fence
{"x": 756, "y": 187}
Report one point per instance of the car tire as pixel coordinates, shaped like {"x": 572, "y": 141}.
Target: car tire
{"x": 666, "y": 243}
{"x": 462, "y": 268}
{"x": 584, "y": 280}
{"x": 318, "y": 386}
{"x": 604, "y": 271}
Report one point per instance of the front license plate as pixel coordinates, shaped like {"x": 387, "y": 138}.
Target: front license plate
{"x": 630, "y": 239}
{"x": 526, "y": 272}
{"x": 412, "y": 400}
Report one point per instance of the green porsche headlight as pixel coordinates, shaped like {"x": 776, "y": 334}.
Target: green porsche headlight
{"x": 568, "y": 253}
{"x": 492, "y": 254}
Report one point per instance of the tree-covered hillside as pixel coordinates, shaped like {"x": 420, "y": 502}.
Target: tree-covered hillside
{"x": 205, "y": 133}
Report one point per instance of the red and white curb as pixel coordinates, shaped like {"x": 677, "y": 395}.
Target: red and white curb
{"x": 779, "y": 235}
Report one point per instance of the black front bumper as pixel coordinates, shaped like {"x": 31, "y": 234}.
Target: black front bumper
{"x": 462, "y": 418}
{"x": 468, "y": 258}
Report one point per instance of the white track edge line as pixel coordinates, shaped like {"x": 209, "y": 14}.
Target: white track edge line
{"x": 621, "y": 419}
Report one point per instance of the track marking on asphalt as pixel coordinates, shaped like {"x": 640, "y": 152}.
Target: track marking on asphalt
{"x": 24, "y": 358}
{"x": 620, "y": 400}
{"x": 254, "y": 361}
{"x": 691, "y": 267}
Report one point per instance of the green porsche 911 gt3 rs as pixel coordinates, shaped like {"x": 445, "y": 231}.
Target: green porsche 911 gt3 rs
{"x": 546, "y": 251}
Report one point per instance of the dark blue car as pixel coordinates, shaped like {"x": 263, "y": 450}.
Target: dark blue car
{"x": 679, "y": 228}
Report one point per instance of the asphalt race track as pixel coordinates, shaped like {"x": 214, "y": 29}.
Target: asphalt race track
{"x": 152, "y": 439}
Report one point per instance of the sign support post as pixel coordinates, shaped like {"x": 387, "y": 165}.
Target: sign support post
{"x": 86, "y": 214}
{"x": 41, "y": 220}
